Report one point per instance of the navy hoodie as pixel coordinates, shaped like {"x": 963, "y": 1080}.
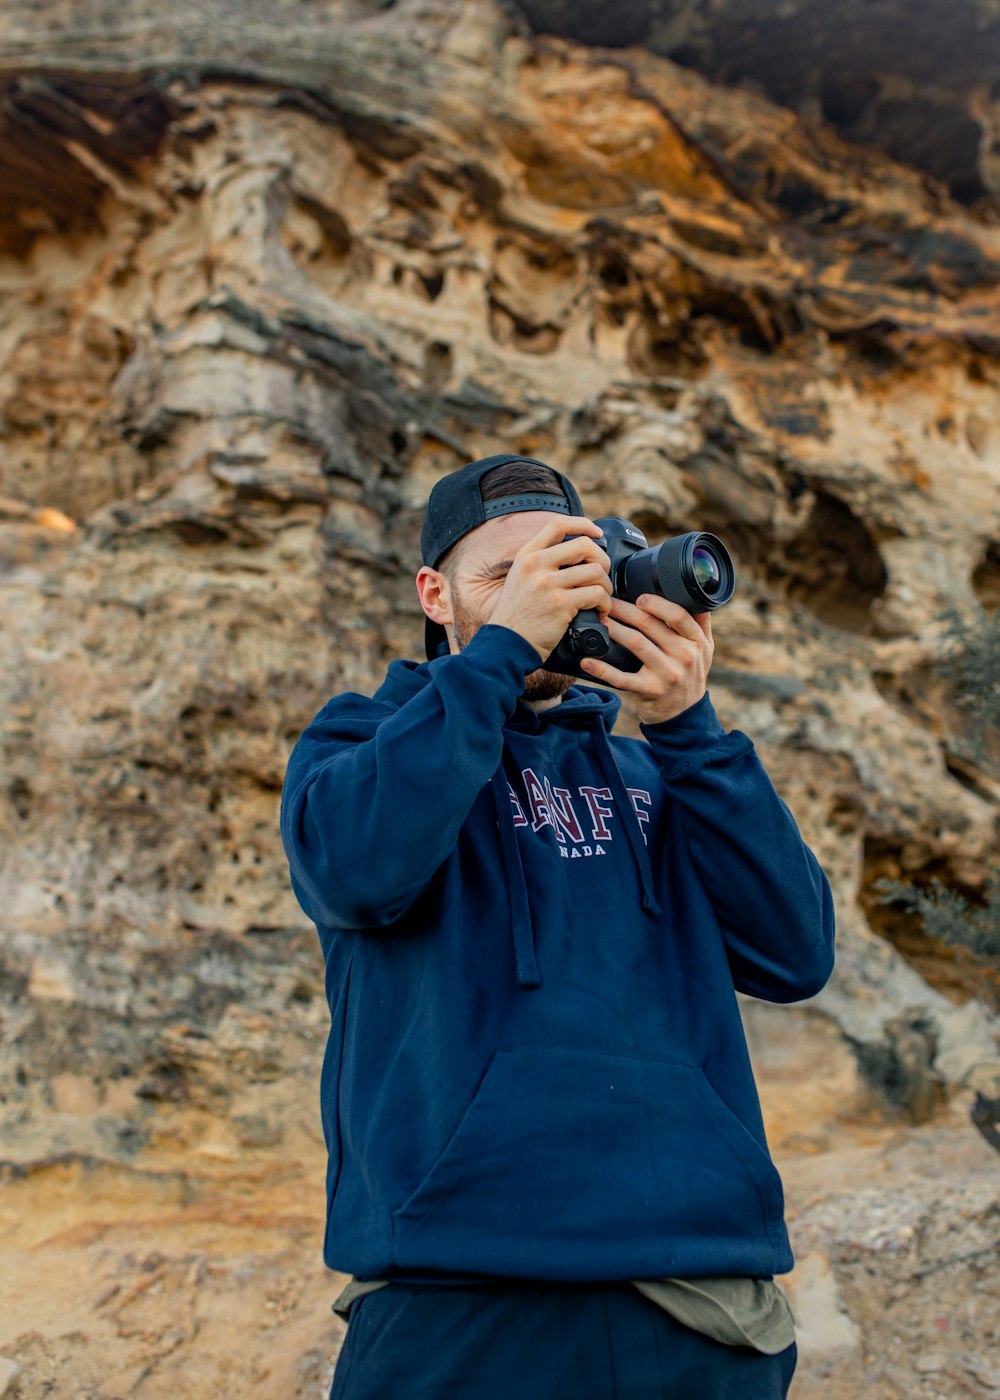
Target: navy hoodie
{"x": 534, "y": 933}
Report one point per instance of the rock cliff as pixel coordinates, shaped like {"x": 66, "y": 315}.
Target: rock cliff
{"x": 899, "y": 75}
{"x": 266, "y": 272}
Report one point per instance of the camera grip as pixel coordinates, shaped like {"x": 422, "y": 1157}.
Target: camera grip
{"x": 587, "y": 635}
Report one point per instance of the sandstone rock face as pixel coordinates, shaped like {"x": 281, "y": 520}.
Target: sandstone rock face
{"x": 897, "y": 75}
{"x": 266, "y": 272}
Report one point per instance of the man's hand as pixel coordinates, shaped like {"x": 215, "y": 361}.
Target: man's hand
{"x": 675, "y": 649}
{"x": 551, "y": 579}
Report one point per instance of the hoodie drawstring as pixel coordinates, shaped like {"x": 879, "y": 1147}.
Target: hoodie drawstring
{"x": 623, "y": 801}
{"x": 520, "y": 911}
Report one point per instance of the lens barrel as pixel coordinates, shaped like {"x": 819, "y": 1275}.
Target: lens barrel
{"x": 695, "y": 570}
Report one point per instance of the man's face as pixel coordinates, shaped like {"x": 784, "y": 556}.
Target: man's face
{"x": 477, "y": 575}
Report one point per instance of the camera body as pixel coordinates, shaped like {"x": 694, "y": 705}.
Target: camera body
{"x": 694, "y": 570}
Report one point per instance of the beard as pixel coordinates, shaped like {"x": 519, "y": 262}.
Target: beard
{"x": 538, "y": 685}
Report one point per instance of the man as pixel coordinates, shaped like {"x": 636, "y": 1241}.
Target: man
{"x": 547, "y": 1168}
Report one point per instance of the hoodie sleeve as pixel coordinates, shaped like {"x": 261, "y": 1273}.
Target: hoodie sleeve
{"x": 369, "y": 811}
{"x": 770, "y": 895}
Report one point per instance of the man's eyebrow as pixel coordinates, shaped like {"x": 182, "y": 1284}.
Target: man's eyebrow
{"x": 502, "y": 566}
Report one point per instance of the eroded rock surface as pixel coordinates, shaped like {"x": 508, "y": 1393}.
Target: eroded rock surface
{"x": 258, "y": 294}
{"x": 897, "y": 74}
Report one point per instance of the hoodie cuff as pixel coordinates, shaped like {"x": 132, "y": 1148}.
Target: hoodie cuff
{"x": 695, "y": 728}
{"x": 495, "y": 646}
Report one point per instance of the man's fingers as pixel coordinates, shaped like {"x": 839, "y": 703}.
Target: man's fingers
{"x": 550, "y": 548}
{"x": 607, "y": 674}
{"x": 640, "y": 624}
{"x": 594, "y": 597}
{"x": 580, "y": 575}
{"x": 669, "y": 614}
{"x": 646, "y": 649}
{"x": 554, "y": 530}
{"x": 574, "y": 552}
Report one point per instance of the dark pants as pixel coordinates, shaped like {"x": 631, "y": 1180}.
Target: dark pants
{"x": 540, "y": 1342}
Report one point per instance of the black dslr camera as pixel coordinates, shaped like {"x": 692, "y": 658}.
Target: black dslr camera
{"x": 694, "y": 570}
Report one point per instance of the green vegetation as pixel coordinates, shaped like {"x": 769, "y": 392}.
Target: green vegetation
{"x": 946, "y": 915}
{"x": 972, "y": 663}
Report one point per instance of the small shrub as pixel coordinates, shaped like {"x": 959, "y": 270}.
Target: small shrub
{"x": 948, "y": 916}
{"x": 972, "y": 663}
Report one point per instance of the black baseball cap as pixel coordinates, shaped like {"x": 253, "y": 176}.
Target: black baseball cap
{"x": 456, "y": 506}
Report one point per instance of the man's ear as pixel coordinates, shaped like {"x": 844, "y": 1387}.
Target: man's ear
{"x": 434, "y": 592}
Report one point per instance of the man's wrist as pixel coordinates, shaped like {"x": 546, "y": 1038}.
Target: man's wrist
{"x": 696, "y": 727}
{"x": 495, "y": 639}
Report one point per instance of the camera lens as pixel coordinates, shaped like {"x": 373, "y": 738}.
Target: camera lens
{"x": 695, "y": 570}
{"x": 707, "y": 572}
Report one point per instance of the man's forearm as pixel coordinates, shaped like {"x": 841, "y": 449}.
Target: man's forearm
{"x": 770, "y": 895}
{"x": 370, "y": 811}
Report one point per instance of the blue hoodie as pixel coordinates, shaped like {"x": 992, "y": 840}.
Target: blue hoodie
{"x": 534, "y": 933}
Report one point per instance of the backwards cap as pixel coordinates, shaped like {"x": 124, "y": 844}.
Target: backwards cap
{"x": 456, "y": 506}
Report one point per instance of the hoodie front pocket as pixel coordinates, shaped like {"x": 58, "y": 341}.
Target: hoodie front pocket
{"x": 574, "y": 1164}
